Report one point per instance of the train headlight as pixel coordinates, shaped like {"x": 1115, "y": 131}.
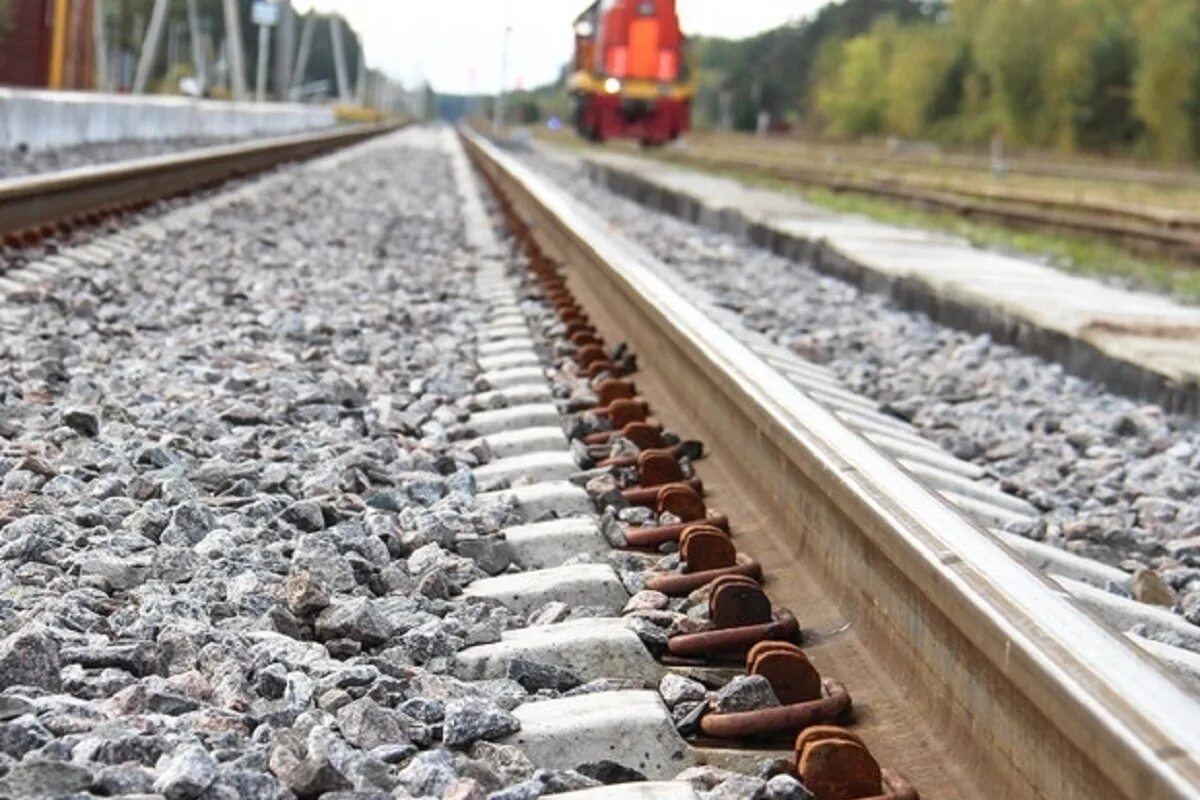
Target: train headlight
{"x": 612, "y": 86}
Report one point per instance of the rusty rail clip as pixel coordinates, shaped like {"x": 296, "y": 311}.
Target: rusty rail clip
{"x": 834, "y": 764}
{"x": 805, "y": 699}
{"x": 742, "y": 617}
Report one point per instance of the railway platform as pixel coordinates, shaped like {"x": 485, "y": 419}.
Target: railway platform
{"x": 1137, "y": 343}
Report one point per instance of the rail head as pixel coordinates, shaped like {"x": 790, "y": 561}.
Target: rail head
{"x": 1134, "y": 728}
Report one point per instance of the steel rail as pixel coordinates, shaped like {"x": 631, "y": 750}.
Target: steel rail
{"x": 1033, "y": 692}
{"x": 38, "y": 205}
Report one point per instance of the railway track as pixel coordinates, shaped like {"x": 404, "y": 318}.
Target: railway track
{"x": 973, "y": 677}
{"x": 38, "y": 207}
{"x": 341, "y": 633}
{"x": 1175, "y": 236}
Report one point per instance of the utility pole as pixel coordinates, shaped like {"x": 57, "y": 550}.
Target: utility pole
{"x": 306, "y": 38}
{"x": 360, "y": 87}
{"x": 58, "y": 45}
{"x": 498, "y": 110}
{"x": 149, "y": 45}
{"x": 266, "y": 17}
{"x": 339, "y": 58}
{"x": 285, "y": 49}
{"x": 198, "y": 56}
{"x": 100, "y": 46}
{"x": 233, "y": 45}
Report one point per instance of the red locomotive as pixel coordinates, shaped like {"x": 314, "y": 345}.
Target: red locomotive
{"x": 630, "y": 77}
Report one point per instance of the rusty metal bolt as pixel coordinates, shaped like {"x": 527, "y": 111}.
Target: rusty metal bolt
{"x": 644, "y": 434}
{"x": 680, "y": 584}
{"x": 730, "y": 642}
{"x": 648, "y": 496}
{"x": 652, "y": 538}
{"x": 832, "y": 702}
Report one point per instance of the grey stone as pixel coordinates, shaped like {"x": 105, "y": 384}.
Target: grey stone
{"x": 508, "y": 762}
{"x": 744, "y": 693}
{"x": 609, "y": 772}
{"x": 534, "y": 676}
{"x": 30, "y": 657}
{"x": 22, "y": 735}
{"x": 429, "y": 774}
{"x": 44, "y": 780}
{"x": 491, "y": 553}
{"x": 469, "y": 719}
{"x": 186, "y": 773}
{"x": 354, "y": 618}
{"x": 785, "y": 787}
{"x": 738, "y": 787}
{"x": 677, "y": 689}
{"x": 82, "y": 421}
{"x": 366, "y": 724}
{"x": 304, "y": 594}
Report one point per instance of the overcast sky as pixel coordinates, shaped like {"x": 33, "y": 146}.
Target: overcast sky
{"x": 456, "y": 44}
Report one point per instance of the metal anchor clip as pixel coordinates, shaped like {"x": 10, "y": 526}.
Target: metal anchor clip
{"x": 742, "y": 617}
{"x": 681, "y": 501}
{"x": 835, "y": 764}
{"x": 656, "y": 468}
{"x": 707, "y": 553}
{"x": 644, "y": 434}
{"x": 805, "y": 699}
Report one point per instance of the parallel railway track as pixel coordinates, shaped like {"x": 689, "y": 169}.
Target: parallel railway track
{"x": 37, "y": 207}
{"x": 971, "y": 675}
{"x": 1175, "y": 236}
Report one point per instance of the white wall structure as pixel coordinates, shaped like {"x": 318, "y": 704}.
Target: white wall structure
{"x": 42, "y": 120}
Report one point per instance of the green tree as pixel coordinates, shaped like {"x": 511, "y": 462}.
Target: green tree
{"x": 925, "y": 74}
{"x": 1164, "y": 82}
{"x": 855, "y": 97}
{"x": 1104, "y": 117}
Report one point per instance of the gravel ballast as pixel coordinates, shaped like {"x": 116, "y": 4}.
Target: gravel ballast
{"x": 1115, "y": 480}
{"x": 233, "y": 479}
{"x": 22, "y": 162}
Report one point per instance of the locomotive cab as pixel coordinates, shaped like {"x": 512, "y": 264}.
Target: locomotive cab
{"x": 629, "y": 72}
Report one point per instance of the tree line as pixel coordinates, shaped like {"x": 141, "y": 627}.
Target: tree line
{"x": 1106, "y": 76}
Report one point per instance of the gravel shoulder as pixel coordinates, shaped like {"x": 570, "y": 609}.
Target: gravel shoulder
{"x": 23, "y": 163}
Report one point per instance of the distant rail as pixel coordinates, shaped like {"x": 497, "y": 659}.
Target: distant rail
{"x": 40, "y": 206}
